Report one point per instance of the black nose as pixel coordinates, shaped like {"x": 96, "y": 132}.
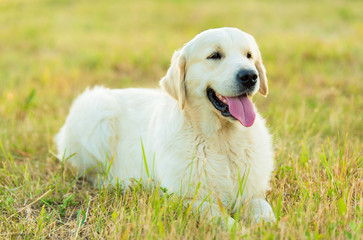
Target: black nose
{"x": 248, "y": 78}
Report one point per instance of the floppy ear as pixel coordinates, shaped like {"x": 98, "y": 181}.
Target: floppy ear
{"x": 262, "y": 74}
{"x": 174, "y": 81}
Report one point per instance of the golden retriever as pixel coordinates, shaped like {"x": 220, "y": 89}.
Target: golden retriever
{"x": 201, "y": 128}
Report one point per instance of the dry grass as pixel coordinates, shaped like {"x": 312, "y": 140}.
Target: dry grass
{"x": 51, "y": 50}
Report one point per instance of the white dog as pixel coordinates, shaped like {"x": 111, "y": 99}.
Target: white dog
{"x": 201, "y": 129}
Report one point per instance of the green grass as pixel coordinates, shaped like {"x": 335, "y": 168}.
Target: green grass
{"x": 50, "y": 51}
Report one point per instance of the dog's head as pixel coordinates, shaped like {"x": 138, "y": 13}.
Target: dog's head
{"x": 220, "y": 69}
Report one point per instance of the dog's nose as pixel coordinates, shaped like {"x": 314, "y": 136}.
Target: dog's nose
{"x": 247, "y": 77}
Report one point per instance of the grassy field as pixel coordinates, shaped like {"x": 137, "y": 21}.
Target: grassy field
{"x": 50, "y": 51}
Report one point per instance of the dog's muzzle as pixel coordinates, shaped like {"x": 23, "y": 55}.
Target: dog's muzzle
{"x": 247, "y": 77}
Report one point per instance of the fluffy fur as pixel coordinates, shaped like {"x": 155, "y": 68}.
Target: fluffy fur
{"x": 186, "y": 140}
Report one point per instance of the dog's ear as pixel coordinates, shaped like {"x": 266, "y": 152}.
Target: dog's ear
{"x": 174, "y": 81}
{"x": 262, "y": 74}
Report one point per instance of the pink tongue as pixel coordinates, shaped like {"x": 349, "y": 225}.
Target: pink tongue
{"x": 242, "y": 109}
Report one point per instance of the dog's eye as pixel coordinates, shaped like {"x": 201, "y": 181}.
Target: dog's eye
{"x": 215, "y": 56}
{"x": 249, "y": 55}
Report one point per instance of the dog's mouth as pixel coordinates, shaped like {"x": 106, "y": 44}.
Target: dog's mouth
{"x": 219, "y": 102}
{"x": 238, "y": 107}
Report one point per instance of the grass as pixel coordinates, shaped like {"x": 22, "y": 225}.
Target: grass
{"x": 52, "y": 50}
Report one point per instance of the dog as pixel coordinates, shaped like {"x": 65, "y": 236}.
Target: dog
{"x": 199, "y": 135}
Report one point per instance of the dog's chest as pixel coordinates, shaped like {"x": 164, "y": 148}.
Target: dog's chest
{"x": 220, "y": 166}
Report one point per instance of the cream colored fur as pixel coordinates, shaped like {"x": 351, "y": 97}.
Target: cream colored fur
{"x": 186, "y": 140}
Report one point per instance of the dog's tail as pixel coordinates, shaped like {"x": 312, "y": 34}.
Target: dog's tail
{"x": 59, "y": 139}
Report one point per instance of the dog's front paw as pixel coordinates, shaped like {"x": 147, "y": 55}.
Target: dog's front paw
{"x": 261, "y": 211}
{"x": 230, "y": 223}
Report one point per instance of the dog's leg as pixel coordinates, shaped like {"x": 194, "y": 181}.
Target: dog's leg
{"x": 260, "y": 210}
{"x": 212, "y": 211}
